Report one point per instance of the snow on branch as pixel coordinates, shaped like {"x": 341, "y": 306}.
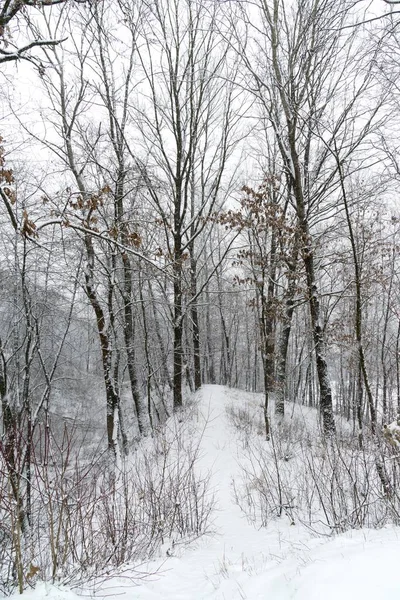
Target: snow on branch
{"x": 7, "y": 56}
{"x": 392, "y": 432}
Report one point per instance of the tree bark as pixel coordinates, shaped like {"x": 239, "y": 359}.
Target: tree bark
{"x": 283, "y": 344}
{"x": 178, "y": 320}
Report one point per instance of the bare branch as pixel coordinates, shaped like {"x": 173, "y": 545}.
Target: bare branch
{"x": 6, "y": 56}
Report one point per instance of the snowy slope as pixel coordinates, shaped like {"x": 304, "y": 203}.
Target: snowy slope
{"x": 280, "y": 562}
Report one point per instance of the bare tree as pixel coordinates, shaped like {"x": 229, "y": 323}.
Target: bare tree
{"x": 303, "y": 62}
{"x": 187, "y": 128}
{"x": 10, "y": 14}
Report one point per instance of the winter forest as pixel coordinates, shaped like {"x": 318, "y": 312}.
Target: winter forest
{"x": 200, "y": 298}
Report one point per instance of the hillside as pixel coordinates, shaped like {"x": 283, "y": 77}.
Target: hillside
{"x": 239, "y": 561}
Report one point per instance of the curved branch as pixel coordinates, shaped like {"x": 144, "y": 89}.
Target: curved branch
{"x": 6, "y": 56}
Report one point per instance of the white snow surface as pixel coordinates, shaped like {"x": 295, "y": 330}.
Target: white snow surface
{"x": 238, "y": 561}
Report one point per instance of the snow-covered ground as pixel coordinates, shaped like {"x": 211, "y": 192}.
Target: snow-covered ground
{"x": 238, "y": 561}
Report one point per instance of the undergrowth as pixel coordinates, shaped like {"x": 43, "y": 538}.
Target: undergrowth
{"x": 329, "y": 485}
{"x": 84, "y": 518}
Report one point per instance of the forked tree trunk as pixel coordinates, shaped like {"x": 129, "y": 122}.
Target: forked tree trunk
{"x": 112, "y": 398}
{"x": 325, "y": 401}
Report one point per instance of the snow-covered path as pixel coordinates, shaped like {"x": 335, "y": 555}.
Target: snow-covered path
{"x": 239, "y": 562}
{"x": 281, "y": 562}
{"x": 203, "y": 570}
{"x": 220, "y": 564}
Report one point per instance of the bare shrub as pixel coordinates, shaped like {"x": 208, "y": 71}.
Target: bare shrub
{"x": 245, "y": 420}
{"x": 342, "y": 489}
{"x": 88, "y": 516}
{"x": 328, "y": 484}
{"x": 266, "y": 489}
{"x": 174, "y": 499}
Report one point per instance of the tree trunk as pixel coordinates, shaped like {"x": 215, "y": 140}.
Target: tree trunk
{"x": 112, "y": 399}
{"x": 283, "y": 345}
{"x": 210, "y": 349}
{"x": 164, "y": 358}
{"x": 325, "y": 401}
{"x": 195, "y": 325}
{"x": 268, "y": 319}
{"x": 178, "y": 324}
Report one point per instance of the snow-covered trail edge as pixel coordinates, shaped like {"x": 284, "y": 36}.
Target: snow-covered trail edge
{"x": 218, "y": 565}
{"x": 240, "y": 562}
{"x": 280, "y": 562}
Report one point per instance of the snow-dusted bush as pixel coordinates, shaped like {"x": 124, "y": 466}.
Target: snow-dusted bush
{"x": 267, "y": 489}
{"x": 342, "y": 487}
{"x": 330, "y": 485}
{"x": 86, "y": 517}
{"x": 244, "y": 420}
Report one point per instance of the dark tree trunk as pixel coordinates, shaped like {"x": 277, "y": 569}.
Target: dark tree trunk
{"x": 127, "y": 291}
{"x": 268, "y": 319}
{"x": 195, "y": 326}
{"x": 398, "y": 366}
{"x": 146, "y": 353}
{"x": 178, "y": 320}
{"x": 210, "y": 371}
{"x": 164, "y": 358}
{"x": 283, "y": 345}
{"x": 325, "y": 401}
{"x": 112, "y": 399}
{"x": 129, "y": 339}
